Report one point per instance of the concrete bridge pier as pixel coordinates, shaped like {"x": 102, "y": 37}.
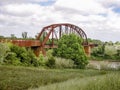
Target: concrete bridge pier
{"x": 88, "y": 48}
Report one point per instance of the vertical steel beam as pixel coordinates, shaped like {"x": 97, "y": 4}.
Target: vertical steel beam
{"x": 52, "y": 36}
{"x": 60, "y": 31}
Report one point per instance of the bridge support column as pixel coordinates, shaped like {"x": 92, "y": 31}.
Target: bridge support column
{"x": 36, "y": 50}
{"x": 87, "y": 50}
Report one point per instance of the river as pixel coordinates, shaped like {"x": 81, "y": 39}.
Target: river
{"x": 104, "y": 65}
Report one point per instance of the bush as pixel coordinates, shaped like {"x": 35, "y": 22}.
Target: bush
{"x": 4, "y": 49}
{"x": 80, "y": 62}
{"x": 12, "y": 59}
{"x": 20, "y": 56}
{"x": 51, "y": 62}
{"x": 32, "y": 58}
{"x": 15, "y": 55}
{"x": 41, "y": 60}
{"x": 70, "y": 47}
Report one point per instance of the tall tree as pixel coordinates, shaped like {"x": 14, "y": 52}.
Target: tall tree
{"x": 24, "y": 35}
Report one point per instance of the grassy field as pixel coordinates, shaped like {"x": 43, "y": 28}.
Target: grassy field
{"x": 102, "y": 82}
{"x": 24, "y": 78}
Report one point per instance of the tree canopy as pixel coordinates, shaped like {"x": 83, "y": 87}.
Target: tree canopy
{"x": 70, "y": 47}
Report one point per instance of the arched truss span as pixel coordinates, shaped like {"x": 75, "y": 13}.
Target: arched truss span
{"x": 55, "y": 31}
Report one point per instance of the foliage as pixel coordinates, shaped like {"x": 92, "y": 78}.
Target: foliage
{"x": 24, "y": 35}
{"x": 12, "y": 59}
{"x": 1, "y": 37}
{"x": 70, "y": 47}
{"x": 106, "y": 50}
{"x": 32, "y": 58}
{"x": 98, "y": 51}
{"x": 51, "y": 62}
{"x": 95, "y": 41}
{"x": 4, "y": 49}
{"x": 15, "y": 55}
{"x": 41, "y": 60}
{"x": 26, "y": 56}
{"x": 118, "y": 54}
{"x": 49, "y": 53}
{"x": 117, "y": 43}
{"x": 110, "y": 52}
{"x": 59, "y": 62}
{"x": 13, "y": 36}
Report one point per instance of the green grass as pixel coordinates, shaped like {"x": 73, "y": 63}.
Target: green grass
{"x": 22, "y": 78}
{"x": 103, "y": 82}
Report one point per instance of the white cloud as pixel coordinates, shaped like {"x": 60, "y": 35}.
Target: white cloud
{"x": 21, "y": 9}
{"x": 23, "y": 1}
{"x": 84, "y": 6}
{"x": 108, "y": 3}
{"x": 95, "y": 17}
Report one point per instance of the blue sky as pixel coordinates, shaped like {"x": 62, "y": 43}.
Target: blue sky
{"x": 117, "y": 10}
{"x": 100, "y": 19}
{"x": 47, "y": 3}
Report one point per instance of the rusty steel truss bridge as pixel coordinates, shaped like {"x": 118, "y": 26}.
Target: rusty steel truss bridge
{"x": 49, "y": 35}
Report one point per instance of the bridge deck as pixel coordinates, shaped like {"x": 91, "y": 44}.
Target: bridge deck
{"x": 26, "y": 43}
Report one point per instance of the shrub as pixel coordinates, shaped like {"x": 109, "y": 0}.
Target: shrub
{"x": 32, "y": 58}
{"x": 4, "y": 49}
{"x": 12, "y": 59}
{"x": 41, "y": 60}
{"x": 49, "y": 53}
{"x": 70, "y": 47}
{"x": 15, "y": 55}
{"x": 51, "y": 62}
{"x": 23, "y": 55}
{"x": 80, "y": 62}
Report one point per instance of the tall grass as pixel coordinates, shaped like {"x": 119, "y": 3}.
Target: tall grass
{"x": 22, "y": 78}
{"x": 103, "y": 82}
{"x": 64, "y": 63}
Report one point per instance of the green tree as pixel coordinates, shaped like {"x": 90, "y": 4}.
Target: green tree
{"x": 70, "y": 47}
{"x": 110, "y": 51}
{"x": 99, "y": 51}
{"x": 13, "y": 36}
{"x": 117, "y": 43}
{"x": 1, "y": 37}
{"x": 24, "y": 35}
{"x": 95, "y": 41}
